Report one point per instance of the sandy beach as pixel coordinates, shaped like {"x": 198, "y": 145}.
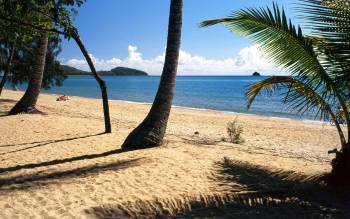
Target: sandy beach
{"x": 58, "y": 164}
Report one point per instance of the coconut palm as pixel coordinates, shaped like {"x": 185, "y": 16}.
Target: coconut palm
{"x": 318, "y": 64}
{"x": 7, "y": 65}
{"x": 28, "y": 101}
{"x": 151, "y": 131}
{"x": 8, "y": 43}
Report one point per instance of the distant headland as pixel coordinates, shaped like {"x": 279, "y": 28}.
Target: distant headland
{"x": 256, "y": 74}
{"x": 118, "y": 71}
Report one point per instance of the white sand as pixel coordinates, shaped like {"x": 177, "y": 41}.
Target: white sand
{"x": 46, "y": 170}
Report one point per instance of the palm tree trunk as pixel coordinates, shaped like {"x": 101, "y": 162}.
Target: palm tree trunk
{"x": 347, "y": 118}
{"x": 337, "y": 125}
{"x": 151, "y": 131}
{"x": 28, "y": 101}
{"x": 340, "y": 174}
{"x": 347, "y": 146}
{"x": 7, "y": 67}
{"x": 100, "y": 81}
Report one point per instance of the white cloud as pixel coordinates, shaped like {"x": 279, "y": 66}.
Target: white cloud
{"x": 134, "y": 55}
{"x": 248, "y": 60}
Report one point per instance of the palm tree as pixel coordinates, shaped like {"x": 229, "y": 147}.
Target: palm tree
{"x": 28, "y": 101}
{"x": 318, "y": 64}
{"x": 151, "y": 131}
{"x": 100, "y": 81}
{"x": 63, "y": 22}
{"x": 7, "y": 65}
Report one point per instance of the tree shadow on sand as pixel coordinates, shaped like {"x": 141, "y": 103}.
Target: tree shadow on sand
{"x": 59, "y": 161}
{"x": 250, "y": 192}
{"x": 43, "y": 143}
{"x": 4, "y": 100}
{"x": 42, "y": 178}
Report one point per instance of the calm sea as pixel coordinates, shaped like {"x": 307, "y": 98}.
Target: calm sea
{"x": 206, "y": 92}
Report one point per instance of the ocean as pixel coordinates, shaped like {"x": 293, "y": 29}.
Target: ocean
{"x": 223, "y": 93}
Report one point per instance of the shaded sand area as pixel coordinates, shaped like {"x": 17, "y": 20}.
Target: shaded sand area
{"x": 59, "y": 165}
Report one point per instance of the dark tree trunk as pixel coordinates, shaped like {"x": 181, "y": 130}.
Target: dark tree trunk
{"x": 151, "y": 131}
{"x": 7, "y": 67}
{"x": 100, "y": 81}
{"x": 340, "y": 175}
{"x": 28, "y": 101}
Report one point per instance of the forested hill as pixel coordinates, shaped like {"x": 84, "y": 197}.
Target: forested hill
{"x": 118, "y": 71}
{"x": 68, "y": 70}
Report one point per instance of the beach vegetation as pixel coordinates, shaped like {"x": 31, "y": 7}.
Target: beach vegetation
{"x": 50, "y": 17}
{"x": 7, "y": 51}
{"x": 19, "y": 57}
{"x": 30, "y": 97}
{"x": 234, "y": 132}
{"x": 318, "y": 63}
{"x": 117, "y": 71}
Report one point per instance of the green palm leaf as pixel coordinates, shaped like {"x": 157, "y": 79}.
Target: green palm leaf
{"x": 297, "y": 94}
{"x": 314, "y": 62}
{"x": 285, "y": 45}
{"x": 331, "y": 21}
{"x": 281, "y": 41}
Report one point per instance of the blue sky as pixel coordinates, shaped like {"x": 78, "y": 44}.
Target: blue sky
{"x": 115, "y": 30}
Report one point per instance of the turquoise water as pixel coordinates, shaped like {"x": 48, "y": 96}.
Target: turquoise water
{"x": 207, "y": 92}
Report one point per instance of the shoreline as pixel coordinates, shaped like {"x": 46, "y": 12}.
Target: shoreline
{"x": 282, "y": 118}
{"x": 210, "y": 110}
{"x": 230, "y": 112}
{"x": 233, "y": 105}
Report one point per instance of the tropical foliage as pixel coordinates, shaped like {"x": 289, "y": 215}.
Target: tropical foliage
{"x": 234, "y": 132}
{"x": 53, "y": 17}
{"x": 318, "y": 63}
{"x": 21, "y": 67}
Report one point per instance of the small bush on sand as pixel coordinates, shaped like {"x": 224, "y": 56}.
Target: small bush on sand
{"x": 234, "y": 131}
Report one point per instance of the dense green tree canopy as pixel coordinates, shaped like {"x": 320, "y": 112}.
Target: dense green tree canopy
{"x": 21, "y": 68}
{"x": 54, "y": 15}
{"x": 21, "y": 22}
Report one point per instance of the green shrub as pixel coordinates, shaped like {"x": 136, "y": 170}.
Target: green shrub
{"x": 234, "y": 131}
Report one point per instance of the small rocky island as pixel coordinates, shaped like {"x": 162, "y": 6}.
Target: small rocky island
{"x": 118, "y": 71}
{"x": 256, "y": 74}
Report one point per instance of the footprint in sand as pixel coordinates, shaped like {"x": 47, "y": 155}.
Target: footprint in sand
{"x": 67, "y": 203}
{"x": 89, "y": 188}
{"x": 41, "y": 200}
{"x": 44, "y": 214}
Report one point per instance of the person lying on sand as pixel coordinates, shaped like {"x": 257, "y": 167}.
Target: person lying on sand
{"x": 62, "y": 98}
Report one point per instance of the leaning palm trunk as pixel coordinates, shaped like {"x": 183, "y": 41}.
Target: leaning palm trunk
{"x": 100, "y": 81}
{"x": 151, "y": 131}
{"x": 28, "y": 101}
{"x": 7, "y": 67}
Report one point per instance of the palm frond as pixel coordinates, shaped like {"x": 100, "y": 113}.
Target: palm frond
{"x": 215, "y": 21}
{"x": 280, "y": 40}
{"x": 331, "y": 20}
{"x": 285, "y": 45}
{"x": 298, "y": 95}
